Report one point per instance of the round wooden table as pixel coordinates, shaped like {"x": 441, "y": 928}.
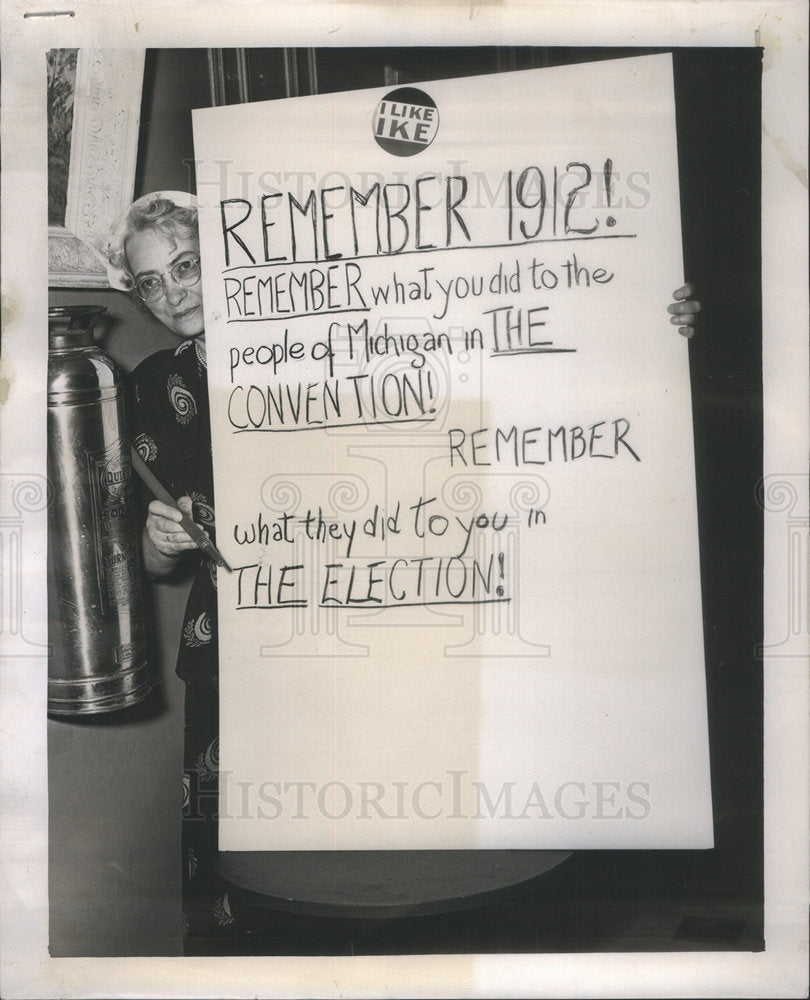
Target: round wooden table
{"x": 381, "y": 884}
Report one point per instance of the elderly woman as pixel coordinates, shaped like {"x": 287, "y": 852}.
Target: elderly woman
{"x": 156, "y": 256}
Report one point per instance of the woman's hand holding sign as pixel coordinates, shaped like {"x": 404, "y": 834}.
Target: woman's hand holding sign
{"x": 684, "y": 310}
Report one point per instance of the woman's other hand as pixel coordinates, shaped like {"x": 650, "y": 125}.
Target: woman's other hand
{"x": 684, "y": 310}
{"x": 165, "y": 538}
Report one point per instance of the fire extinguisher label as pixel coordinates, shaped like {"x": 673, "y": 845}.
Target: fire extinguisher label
{"x": 116, "y": 554}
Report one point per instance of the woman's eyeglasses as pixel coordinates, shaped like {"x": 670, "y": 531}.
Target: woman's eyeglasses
{"x": 185, "y": 272}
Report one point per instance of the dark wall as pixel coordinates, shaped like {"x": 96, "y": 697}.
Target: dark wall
{"x": 719, "y": 111}
{"x": 113, "y": 787}
{"x": 175, "y": 81}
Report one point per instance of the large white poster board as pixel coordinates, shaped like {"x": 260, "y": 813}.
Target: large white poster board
{"x": 453, "y": 466}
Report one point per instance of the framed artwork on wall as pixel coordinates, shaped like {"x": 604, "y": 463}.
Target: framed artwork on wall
{"x": 94, "y": 100}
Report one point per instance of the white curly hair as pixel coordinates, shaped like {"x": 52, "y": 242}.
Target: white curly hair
{"x": 171, "y": 213}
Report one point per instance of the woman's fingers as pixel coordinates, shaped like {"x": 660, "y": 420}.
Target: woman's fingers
{"x": 160, "y": 509}
{"x": 688, "y": 308}
{"x": 164, "y": 518}
{"x": 165, "y": 531}
{"x": 684, "y": 310}
{"x": 170, "y": 543}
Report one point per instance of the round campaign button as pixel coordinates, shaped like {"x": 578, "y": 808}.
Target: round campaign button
{"x": 406, "y": 121}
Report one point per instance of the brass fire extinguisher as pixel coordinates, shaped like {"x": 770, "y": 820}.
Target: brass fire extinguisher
{"x": 98, "y": 659}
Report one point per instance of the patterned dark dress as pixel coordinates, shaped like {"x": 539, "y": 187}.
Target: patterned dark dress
{"x": 168, "y": 416}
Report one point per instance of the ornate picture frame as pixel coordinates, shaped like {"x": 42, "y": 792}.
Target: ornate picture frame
{"x": 102, "y": 162}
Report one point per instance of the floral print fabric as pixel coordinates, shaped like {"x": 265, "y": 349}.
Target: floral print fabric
{"x": 168, "y": 417}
